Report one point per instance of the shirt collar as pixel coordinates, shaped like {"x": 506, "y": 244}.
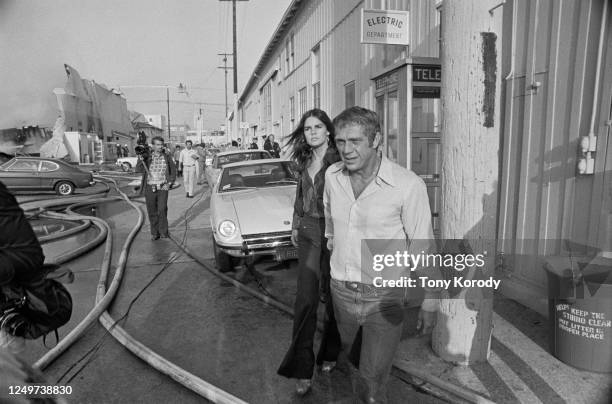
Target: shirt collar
{"x": 385, "y": 171}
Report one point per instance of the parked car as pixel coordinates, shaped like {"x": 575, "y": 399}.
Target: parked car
{"x": 251, "y": 209}
{"x": 210, "y": 155}
{"x": 43, "y": 174}
{"x": 221, "y": 159}
{"x": 127, "y": 163}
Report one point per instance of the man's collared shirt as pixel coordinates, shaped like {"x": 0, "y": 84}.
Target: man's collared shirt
{"x": 394, "y": 205}
{"x": 186, "y": 158}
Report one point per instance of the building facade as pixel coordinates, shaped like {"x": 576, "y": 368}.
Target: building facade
{"x": 159, "y": 121}
{"x": 90, "y": 108}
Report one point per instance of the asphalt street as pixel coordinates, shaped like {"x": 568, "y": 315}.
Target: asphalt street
{"x": 189, "y": 316}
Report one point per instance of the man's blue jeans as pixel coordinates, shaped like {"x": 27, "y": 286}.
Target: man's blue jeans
{"x": 380, "y": 312}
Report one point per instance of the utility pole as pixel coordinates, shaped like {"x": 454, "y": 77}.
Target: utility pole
{"x": 470, "y": 143}
{"x": 168, "y": 103}
{"x": 235, "y": 67}
{"x": 225, "y": 68}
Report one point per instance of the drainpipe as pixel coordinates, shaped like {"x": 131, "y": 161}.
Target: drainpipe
{"x": 588, "y": 143}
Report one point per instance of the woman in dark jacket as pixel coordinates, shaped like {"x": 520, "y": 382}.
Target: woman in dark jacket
{"x": 313, "y": 150}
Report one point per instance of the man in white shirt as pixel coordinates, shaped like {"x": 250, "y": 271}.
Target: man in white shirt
{"x": 189, "y": 163}
{"x": 368, "y": 197}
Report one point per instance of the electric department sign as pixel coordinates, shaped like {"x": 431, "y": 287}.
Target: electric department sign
{"x": 389, "y": 27}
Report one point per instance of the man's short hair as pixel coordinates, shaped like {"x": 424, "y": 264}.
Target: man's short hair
{"x": 358, "y": 116}
{"x": 158, "y": 138}
{"x": 177, "y": 147}
{"x": 190, "y": 142}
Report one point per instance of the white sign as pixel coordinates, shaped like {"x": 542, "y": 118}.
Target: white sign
{"x": 388, "y": 27}
{"x": 244, "y": 125}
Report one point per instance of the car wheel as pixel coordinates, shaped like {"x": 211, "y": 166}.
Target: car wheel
{"x": 126, "y": 167}
{"x": 64, "y": 188}
{"x": 224, "y": 262}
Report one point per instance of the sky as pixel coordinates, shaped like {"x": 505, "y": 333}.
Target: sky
{"x": 129, "y": 43}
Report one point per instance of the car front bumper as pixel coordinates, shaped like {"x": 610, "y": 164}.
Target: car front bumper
{"x": 276, "y": 244}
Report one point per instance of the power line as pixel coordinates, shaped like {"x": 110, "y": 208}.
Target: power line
{"x": 175, "y": 102}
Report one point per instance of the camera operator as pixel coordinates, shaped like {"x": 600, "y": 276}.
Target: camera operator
{"x": 21, "y": 257}
{"x": 160, "y": 176}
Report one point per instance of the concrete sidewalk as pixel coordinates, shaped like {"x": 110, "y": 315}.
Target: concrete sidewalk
{"x": 520, "y": 368}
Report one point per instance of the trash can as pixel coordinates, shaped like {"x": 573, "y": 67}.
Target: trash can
{"x": 580, "y": 311}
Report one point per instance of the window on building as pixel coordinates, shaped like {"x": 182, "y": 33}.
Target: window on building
{"x": 292, "y": 56}
{"x": 289, "y": 54}
{"x": 438, "y": 24}
{"x": 303, "y": 100}
{"x": 349, "y": 94}
{"x": 316, "y": 77}
{"x": 266, "y": 96}
{"x": 316, "y": 95}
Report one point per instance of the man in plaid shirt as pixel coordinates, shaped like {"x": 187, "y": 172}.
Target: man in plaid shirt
{"x": 161, "y": 174}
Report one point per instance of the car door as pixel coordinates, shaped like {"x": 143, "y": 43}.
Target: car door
{"x": 49, "y": 174}
{"x": 22, "y": 174}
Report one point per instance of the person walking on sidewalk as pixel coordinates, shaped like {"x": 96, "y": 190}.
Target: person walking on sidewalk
{"x": 189, "y": 163}
{"x": 177, "y": 157}
{"x": 313, "y": 151}
{"x": 160, "y": 176}
{"x": 368, "y": 197}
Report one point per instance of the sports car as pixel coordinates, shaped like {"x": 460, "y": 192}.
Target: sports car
{"x": 251, "y": 208}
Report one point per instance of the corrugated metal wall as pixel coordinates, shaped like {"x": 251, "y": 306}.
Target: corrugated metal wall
{"x": 548, "y": 98}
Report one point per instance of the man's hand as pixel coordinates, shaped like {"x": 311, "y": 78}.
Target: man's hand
{"x": 330, "y": 243}
{"x": 426, "y": 322}
{"x": 294, "y": 237}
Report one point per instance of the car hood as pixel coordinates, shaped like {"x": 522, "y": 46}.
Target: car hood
{"x": 263, "y": 210}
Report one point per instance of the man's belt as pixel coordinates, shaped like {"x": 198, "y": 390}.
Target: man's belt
{"x": 359, "y": 287}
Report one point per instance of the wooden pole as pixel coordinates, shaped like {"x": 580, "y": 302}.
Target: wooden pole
{"x": 470, "y": 142}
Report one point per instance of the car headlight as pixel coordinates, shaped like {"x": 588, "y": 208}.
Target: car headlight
{"x": 227, "y": 228}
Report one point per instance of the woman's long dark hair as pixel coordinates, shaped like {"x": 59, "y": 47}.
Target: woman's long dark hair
{"x": 302, "y": 151}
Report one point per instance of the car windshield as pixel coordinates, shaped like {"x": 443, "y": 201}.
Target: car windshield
{"x": 271, "y": 174}
{"x": 237, "y": 157}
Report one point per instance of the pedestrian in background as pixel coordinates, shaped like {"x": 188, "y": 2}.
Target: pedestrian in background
{"x": 201, "y": 163}
{"x": 177, "y": 157}
{"x": 253, "y": 145}
{"x": 369, "y": 197}
{"x": 160, "y": 176}
{"x": 189, "y": 163}
{"x": 313, "y": 150}
{"x": 271, "y": 146}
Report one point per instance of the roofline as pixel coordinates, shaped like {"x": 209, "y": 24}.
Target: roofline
{"x": 280, "y": 30}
